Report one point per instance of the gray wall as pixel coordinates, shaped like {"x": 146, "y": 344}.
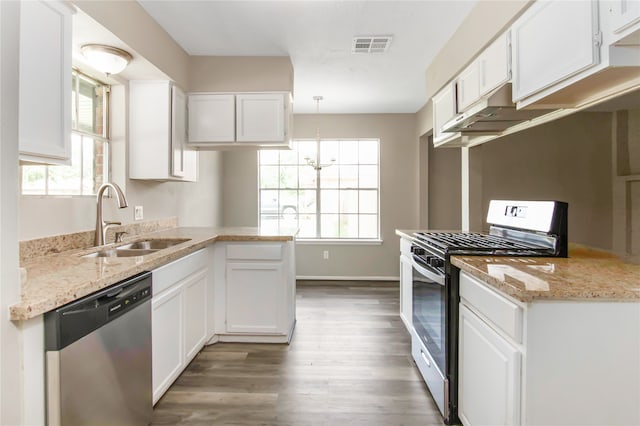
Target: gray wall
{"x": 568, "y": 160}
{"x": 398, "y": 192}
{"x": 445, "y": 197}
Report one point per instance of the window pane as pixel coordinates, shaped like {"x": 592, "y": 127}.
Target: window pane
{"x": 308, "y": 177}
{"x": 368, "y": 152}
{"x": 269, "y": 224}
{"x": 269, "y": 157}
{"x": 269, "y": 176}
{"x": 289, "y": 177}
{"x": 307, "y": 201}
{"x": 368, "y": 226}
{"x": 368, "y": 176}
{"x": 329, "y": 177}
{"x": 89, "y": 160}
{"x": 330, "y": 226}
{"x": 288, "y": 156}
{"x": 269, "y": 203}
{"x": 349, "y": 152}
{"x": 349, "y": 226}
{"x": 329, "y": 150}
{"x": 33, "y": 180}
{"x": 289, "y": 202}
{"x": 349, "y": 201}
{"x": 348, "y": 176}
{"x": 307, "y": 149}
{"x": 368, "y": 202}
{"x": 307, "y": 225}
{"x": 330, "y": 201}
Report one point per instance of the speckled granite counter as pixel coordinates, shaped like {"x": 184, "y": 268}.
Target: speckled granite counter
{"x": 54, "y": 280}
{"x": 587, "y": 274}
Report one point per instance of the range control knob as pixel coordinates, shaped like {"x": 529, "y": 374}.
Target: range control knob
{"x": 436, "y": 262}
{"x": 417, "y": 250}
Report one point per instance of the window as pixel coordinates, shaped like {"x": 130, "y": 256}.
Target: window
{"x": 338, "y": 200}
{"x": 89, "y": 147}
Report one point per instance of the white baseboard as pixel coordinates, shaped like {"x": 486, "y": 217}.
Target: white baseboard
{"x": 343, "y": 278}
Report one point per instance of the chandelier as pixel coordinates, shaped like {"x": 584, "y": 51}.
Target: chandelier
{"x": 310, "y": 161}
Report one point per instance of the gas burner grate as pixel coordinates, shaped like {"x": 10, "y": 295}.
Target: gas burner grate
{"x": 482, "y": 243}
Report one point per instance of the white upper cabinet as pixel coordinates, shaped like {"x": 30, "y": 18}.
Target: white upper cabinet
{"x": 212, "y": 117}
{"x": 45, "y": 82}
{"x": 157, "y": 133}
{"x": 625, "y": 19}
{"x": 444, "y": 109}
{"x": 553, "y": 41}
{"x": 260, "y": 118}
{"x": 494, "y": 64}
{"x": 219, "y": 120}
{"x": 488, "y": 71}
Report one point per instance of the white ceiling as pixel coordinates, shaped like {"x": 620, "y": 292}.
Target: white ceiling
{"x": 317, "y": 35}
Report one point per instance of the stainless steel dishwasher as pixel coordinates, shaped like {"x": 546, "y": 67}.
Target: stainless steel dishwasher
{"x": 98, "y": 357}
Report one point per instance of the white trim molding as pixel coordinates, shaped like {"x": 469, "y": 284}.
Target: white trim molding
{"x": 345, "y": 278}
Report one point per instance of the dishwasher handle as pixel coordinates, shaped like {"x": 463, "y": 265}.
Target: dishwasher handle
{"x": 75, "y": 320}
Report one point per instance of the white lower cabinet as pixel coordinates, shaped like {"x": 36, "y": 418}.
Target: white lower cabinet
{"x": 167, "y": 337}
{"x": 546, "y": 362}
{"x": 489, "y": 365}
{"x": 255, "y": 292}
{"x": 179, "y": 317}
{"x": 263, "y": 285}
{"x": 406, "y": 290}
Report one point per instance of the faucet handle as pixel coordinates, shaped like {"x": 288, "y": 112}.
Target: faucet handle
{"x": 108, "y": 222}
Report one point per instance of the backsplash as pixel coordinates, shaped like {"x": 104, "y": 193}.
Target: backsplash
{"x": 30, "y": 249}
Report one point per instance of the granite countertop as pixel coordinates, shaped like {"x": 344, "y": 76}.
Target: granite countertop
{"x": 51, "y": 281}
{"x": 587, "y": 275}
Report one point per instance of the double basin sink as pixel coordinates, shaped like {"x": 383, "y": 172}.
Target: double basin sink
{"x": 138, "y": 248}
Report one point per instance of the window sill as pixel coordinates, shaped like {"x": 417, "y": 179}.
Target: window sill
{"x": 345, "y": 242}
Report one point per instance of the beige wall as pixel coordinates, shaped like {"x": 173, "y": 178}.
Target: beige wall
{"x": 487, "y": 19}
{"x": 240, "y": 74}
{"x": 131, "y": 23}
{"x": 445, "y": 199}
{"x": 567, "y": 160}
{"x": 398, "y": 192}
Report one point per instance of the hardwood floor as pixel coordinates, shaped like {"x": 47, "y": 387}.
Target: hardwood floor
{"x": 349, "y": 363}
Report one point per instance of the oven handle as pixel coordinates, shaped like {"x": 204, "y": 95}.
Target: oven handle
{"x": 437, "y": 278}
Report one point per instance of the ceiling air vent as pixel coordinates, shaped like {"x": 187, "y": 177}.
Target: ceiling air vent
{"x": 370, "y": 44}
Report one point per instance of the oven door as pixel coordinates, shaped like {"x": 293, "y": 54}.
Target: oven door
{"x": 430, "y": 311}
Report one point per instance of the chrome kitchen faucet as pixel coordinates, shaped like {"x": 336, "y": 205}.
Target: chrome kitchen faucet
{"x": 102, "y": 226}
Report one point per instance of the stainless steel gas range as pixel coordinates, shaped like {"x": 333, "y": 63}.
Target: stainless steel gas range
{"x": 518, "y": 228}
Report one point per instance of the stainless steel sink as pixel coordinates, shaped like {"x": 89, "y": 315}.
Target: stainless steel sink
{"x": 113, "y": 252}
{"x": 139, "y": 248}
{"x": 155, "y": 244}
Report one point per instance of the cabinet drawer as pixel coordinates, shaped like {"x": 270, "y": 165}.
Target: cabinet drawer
{"x": 504, "y": 314}
{"x": 254, "y": 251}
{"x": 169, "y": 274}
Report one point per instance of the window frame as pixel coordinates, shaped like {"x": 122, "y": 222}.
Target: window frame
{"x": 104, "y": 137}
{"x": 318, "y": 240}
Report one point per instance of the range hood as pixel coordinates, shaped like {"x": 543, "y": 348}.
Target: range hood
{"x": 493, "y": 114}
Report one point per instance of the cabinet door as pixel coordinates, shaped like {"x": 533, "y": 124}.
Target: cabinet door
{"x": 444, "y": 109}
{"x": 167, "y": 339}
{"x": 195, "y": 314}
{"x": 493, "y": 65}
{"x": 212, "y": 118}
{"x": 552, "y": 41}
{"x": 468, "y": 85}
{"x": 260, "y": 117}
{"x": 406, "y": 292}
{"x": 624, "y": 14}
{"x": 255, "y": 298}
{"x": 489, "y": 374}
{"x": 178, "y": 131}
{"x": 45, "y": 82}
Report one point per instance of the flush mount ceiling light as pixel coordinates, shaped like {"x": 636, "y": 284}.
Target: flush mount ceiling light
{"x": 108, "y": 59}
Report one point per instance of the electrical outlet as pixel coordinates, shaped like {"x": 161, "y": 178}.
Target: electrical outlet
{"x": 325, "y": 255}
{"x": 138, "y": 213}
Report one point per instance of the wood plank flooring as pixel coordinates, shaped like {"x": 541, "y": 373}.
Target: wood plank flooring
{"x": 349, "y": 363}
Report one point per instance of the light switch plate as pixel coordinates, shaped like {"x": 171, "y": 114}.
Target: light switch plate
{"x": 138, "y": 213}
